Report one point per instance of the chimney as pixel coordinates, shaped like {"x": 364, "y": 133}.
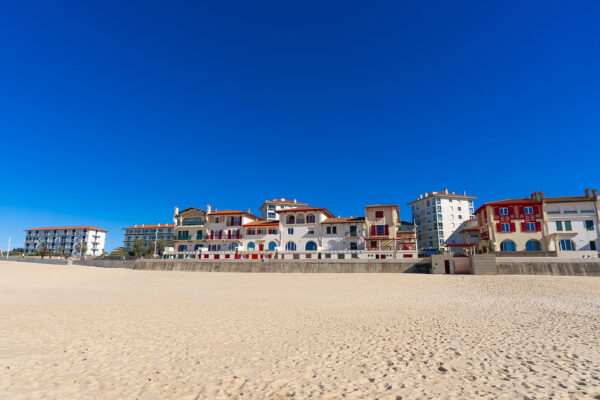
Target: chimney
{"x": 208, "y": 208}
{"x": 283, "y": 199}
{"x": 248, "y": 211}
{"x": 176, "y": 210}
{"x": 142, "y": 225}
{"x": 464, "y": 192}
{"x": 453, "y": 193}
{"x": 588, "y": 193}
{"x": 445, "y": 190}
{"x": 339, "y": 216}
{"x": 534, "y": 196}
{"x": 541, "y": 196}
{"x": 595, "y": 191}
{"x": 294, "y": 200}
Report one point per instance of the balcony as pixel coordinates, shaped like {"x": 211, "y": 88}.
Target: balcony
{"x": 352, "y": 235}
{"x": 229, "y": 236}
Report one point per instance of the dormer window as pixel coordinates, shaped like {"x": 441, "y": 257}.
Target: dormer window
{"x": 504, "y": 211}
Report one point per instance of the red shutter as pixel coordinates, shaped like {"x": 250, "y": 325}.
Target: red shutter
{"x": 387, "y": 231}
{"x": 498, "y": 227}
{"x": 373, "y": 231}
{"x": 523, "y": 226}
{"x": 538, "y": 226}
{"x": 496, "y": 211}
{"x": 513, "y": 228}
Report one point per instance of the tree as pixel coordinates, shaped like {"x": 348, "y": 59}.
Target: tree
{"x": 80, "y": 248}
{"x": 138, "y": 248}
{"x": 44, "y": 250}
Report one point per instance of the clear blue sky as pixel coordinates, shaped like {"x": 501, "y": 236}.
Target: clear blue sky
{"x": 112, "y": 112}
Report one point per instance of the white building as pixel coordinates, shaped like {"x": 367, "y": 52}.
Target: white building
{"x": 224, "y": 229}
{"x": 343, "y": 233}
{"x": 571, "y": 223}
{"x": 261, "y": 236}
{"x": 66, "y": 240}
{"x": 301, "y": 228}
{"x": 438, "y": 215}
{"x": 268, "y": 210}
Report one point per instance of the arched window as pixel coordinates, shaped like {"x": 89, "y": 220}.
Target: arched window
{"x": 532, "y": 245}
{"x": 508, "y": 245}
{"x": 291, "y": 219}
{"x": 272, "y": 246}
{"x": 567, "y": 245}
{"x": 290, "y": 246}
{"x": 251, "y": 246}
{"x": 182, "y": 247}
{"x": 300, "y": 219}
{"x": 311, "y": 246}
{"x": 198, "y": 247}
{"x": 310, "y": 219}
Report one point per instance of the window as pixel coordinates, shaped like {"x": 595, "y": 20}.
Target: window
{"x": 354, "y": 246}
{"x": 567, "y": 245}
{"x": 379, "y": 214}
{"x": 380, "y": 230}
{"x": 290, "y": 231}
{"x": 439, "y": 208}
{"x": 329, "y": 230}
{"x": 505, "y": 227}
{"x": 532, "y": 245}
{"x": 217, "y": 219}
{"x": 251, "y": 246}
{"x": 559, "y": 226}
{"x": 503, "y": 211}
{"x": 508, "y": 245}
{"x": 311, "y": 232}
{"x": 272, "y": 246}
{"x": 291, "y": 220}
{"x": 300, "y": 219}
{"x": 459, "y": 208}
{"x": 334, "y": 229}
{"x": 441, "y": 242}
{"x": 310, "y": 219}
{"x": 528, "y": 210}
{"x": 589, "y": 225}
{"x": 531, "y": 227}
{"x": 311, "y": 246}
{"x": 593, "y": 245}
{"x": 271, "y": 215}
{"x": 290, "y": 246}
{"x": 460, "y": 217}
{"x": 568, "y": 226}
{"x": 438, "y": 201}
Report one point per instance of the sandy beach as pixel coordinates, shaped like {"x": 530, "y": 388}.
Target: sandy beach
{"x": 70, "y": 332}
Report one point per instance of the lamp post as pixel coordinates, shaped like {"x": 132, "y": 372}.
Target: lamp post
{"x": 155, "y": 239}
{"x": 8, "y": 249}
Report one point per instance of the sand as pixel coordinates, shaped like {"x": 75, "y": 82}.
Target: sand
{"x": 70, "y": 332}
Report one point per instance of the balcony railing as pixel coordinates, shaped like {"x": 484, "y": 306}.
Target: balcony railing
{"x": 221, "y": 236}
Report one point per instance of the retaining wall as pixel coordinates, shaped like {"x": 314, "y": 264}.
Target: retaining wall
{"x": 548, "y": 266}
{"x": 419, "y": 266}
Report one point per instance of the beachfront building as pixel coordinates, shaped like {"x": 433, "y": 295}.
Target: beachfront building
{"x": 347, "y": 233}
{"x": 225, "y": 228}
{"x": 148, "y": 234}
{"x": 189, "y": 229}
{"x": 469, "y": 237}
{"x": 571, "y": 223}
{"x": 260, "y": 236}
{"x": 301, "y": 227}
{"x": 439, "y": 215}
{"x": 511, "y": 226}
{"x": 386, "y": 235}
{"x": 268, "y": 211}
{"x": 74, "y": 240}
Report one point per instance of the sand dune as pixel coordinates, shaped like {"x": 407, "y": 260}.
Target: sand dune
{"x": 69, "y": 332}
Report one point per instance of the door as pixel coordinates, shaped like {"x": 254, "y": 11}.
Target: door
{"x": 447, "y": 266}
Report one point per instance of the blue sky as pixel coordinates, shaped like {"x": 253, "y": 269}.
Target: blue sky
{"x": 112, "y": 113}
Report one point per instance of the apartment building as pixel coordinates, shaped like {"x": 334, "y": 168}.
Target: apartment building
{"x": 261, "y": 235}
{"x": 301, "y": 228}
{"x": 387, "y": 234}
{"x": 189, "y": 229}
{"x": 439, "y": 215}
{"x": 148, "y": 234}
{"x": 268, "y": 211}
{"x": 66, "y": 239}
{"x": 511, "y": 225}
{"x": 225, "y": 228}
{"x": 343, "y": 233}
{"x": 571, "y": 223}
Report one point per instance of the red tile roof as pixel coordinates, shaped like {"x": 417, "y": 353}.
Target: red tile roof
{"x": 566, "y": 198}
{"x": 91, "y": 228}
{"x": 190, "y": 208}
{"x": 382, "y": 205}
{"x": 300, "y": 209}
{"x": 343, "y": 220}
{"x": 150, "y": 226}
{"x": 276, "y": 201}
{"x": 526, "y": 200}
{"x": 233, "y": 212}
{"x": 470, "y": 228}
{"x": 261, "y": 223}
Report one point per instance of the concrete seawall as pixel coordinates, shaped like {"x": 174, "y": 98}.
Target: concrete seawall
{"x": 568, "y": 267}
{"x": 421, "y": 266}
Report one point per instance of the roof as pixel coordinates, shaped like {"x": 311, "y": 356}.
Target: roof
{"x": 382, "y": 205}
{"x": 57, "y": 228}
{"x": 566, "y": 199}
{"x": 526, "y": 200}
{"x": 460, "y": 245}
{"x": 233, "y": 212}
{"x": 261, "y": 223}
{"x": 151, "y": 226}
{"x": 282, "y": 201}
{"x": 190, "y": 208}
{"x": 470, "y": 228}
{"x": 406, "y": 223}
{"x": 440, "y": 194}
{"x": 299, "y": 209}
{"x": 344, "y": 220}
